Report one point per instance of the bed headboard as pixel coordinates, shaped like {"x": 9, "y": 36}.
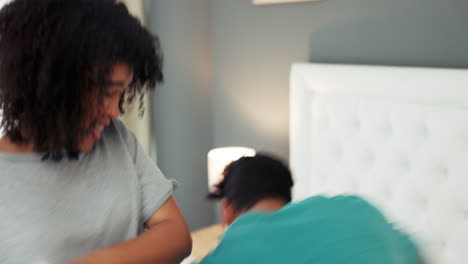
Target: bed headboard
{"x": 398, "y": 136}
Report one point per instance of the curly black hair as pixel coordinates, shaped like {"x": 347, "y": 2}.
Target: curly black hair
{"x": 55, "y": 55}
{"x": 251, "y": 179}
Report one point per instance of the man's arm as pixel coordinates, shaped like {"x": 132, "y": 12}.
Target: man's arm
{"x": 166, "y": 241}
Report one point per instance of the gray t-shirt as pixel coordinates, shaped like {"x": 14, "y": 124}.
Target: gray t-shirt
{"x": 56, "y": 211}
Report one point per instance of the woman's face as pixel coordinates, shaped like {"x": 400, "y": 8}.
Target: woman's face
{"x": 120, "y": 78}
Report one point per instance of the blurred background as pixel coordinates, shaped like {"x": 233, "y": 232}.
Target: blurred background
{"x": 227, "y": 69}
{"x": 227, "y": 63}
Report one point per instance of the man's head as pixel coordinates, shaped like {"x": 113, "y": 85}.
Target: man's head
{"x": 250, "y": 180}
{"x": 68, "y": 67}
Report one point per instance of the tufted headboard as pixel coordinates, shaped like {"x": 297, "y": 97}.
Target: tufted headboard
{"x": 398, "y": 136}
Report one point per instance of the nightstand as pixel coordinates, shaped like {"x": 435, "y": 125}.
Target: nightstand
{"x": 205, "y": 240}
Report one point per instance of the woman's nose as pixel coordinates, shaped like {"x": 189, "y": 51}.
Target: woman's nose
{"x": 113, "y": 109}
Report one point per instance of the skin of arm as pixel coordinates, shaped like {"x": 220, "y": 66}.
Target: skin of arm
{"x": 167, "y": 240}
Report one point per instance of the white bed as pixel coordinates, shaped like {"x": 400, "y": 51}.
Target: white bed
{"x": 397, "y": 136}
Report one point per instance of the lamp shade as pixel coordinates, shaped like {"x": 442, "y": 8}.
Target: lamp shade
{"x": 219, "y": 158}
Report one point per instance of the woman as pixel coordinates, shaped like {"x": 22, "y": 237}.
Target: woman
{"x": 75, "y": 185}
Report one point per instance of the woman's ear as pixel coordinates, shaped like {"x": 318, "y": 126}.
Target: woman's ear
{"x": 228, "y": 212}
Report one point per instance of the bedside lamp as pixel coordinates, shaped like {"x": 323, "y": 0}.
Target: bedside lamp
{"x": 219, "y": 158}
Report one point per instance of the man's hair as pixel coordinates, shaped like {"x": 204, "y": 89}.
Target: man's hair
{"x": 56, "y": 57}
{"x": 251, "y": 179}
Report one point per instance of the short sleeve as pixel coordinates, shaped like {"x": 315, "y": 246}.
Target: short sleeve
{"x": 155, "y": 188}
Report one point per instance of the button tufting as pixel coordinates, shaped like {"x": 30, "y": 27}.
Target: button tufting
{"x": 424, "y": 131}
{"x": 323, "y": 178}
{"x": 423, "y": 203}
{"x": 388, "y": 129}
{"x": 404, "y": 164}
{"x": 370, "y": 159}
{"x": 443, "y": 171}
{"x": 443, "y": 244}
{"x": 356, "y": 124}
{"x": 387, "y": 193}
{"x": 355, "y": 186}
{"x": 324, "y": 123}
{"x": 337, "y": 151}
{"x": 407, "y": 153}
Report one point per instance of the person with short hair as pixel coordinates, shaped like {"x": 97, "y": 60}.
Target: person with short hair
{"x": 75, "y": 184}
{"x": 264, "y": 226}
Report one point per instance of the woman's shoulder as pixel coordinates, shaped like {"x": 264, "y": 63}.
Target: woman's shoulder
{"x": 117, "y": 138}
{"x": 117, "y": 131}
{"x": 116, "y": 126}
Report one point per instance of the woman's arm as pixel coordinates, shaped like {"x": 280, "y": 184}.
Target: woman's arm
{"x": 166, "y": 241}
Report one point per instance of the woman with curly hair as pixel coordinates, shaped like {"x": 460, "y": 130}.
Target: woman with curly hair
{"x": 75, "y": 185}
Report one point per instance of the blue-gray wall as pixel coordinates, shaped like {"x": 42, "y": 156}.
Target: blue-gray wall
{"x": 253, "y": 48}
{"x": 182, "y": 106}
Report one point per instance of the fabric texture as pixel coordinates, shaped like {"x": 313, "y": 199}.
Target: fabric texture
{"x": 337, "y": 230}
{"x": 54, "y": 211}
